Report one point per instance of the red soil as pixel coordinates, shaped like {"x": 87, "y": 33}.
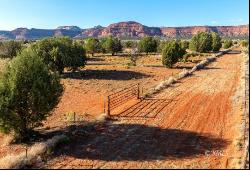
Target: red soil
{"x": 189, "y": 125}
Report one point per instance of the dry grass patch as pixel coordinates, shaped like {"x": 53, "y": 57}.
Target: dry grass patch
{"x": 3, "y": 63}
{"x": 33, "y": 155}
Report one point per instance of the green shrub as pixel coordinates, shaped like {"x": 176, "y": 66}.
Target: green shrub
{"x": 60, "y": 52}
{"x": 130, "y": 44}
{"x": 147, "y": 45}
{"x": 244, "y": 43}
{"x": 132, "y": 60}
{"x": 161, "y": 46}
{"x": 184, "y": 45}
{"x": 216, "y": 42}
{"x": 172, "y": 53}
{"x": 92, "y": 46}
{"x": 227, "y": 44}
{"x": 9, "y": 49}
{"x": 201, "y": 42}
{"x": 102, "y": 45}
{"x": 111, "y": 45}
{"x": 28, "y": 94}
{"x": 77, "y": 57}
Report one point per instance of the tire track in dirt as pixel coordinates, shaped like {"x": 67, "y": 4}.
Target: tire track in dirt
{"x": 221, "y": 107}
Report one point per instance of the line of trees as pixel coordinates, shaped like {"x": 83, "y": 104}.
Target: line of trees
{"x": 205, "y": 42}
{"x": 107, "y": 45}
{"x": 30, "y": 86}
{"x": 60, "y": 53}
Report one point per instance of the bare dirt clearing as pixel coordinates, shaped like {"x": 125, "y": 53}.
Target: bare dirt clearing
{"x": 189, "y": 125}
{"x": 85, "y": 91}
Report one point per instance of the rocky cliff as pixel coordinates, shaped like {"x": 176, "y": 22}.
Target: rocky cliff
{"x": 225, "y": 31}
{"x": 128, "y": 29}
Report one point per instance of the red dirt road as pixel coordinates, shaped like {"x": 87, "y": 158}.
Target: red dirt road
{"x": 190, "y": 125}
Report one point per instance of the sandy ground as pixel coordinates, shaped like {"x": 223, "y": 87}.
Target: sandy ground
{"x": 192, "y": 124}
{"x": 84, "y": 93}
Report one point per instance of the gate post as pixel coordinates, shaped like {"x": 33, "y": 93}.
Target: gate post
{"x": 138, "y": 91}
{"x": 74, "y": 117}
{"x": 108, "y": 106}
{"x": 104, "y": 105}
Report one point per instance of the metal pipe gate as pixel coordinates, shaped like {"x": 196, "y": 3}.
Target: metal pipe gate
{"x": 117, "y": 99}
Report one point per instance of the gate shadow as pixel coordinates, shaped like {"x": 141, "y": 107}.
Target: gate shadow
{"x": 146, "y": 108}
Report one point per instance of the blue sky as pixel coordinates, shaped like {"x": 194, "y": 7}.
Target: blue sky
{"x": 89, "y": 13}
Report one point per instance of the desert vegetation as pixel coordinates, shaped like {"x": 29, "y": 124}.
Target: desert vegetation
{"x": 93, "y": 46}
{"x": 111, "y": 45}
{"x": 33, "y": 91}
{"x": 36, "y": 89}
{"x": 147, "y": 45}
{"x": 60, "y": 53}
{"x": 9, "y": 49}
{"x": 216, "y": 42}
{"x": 28, "y": 94}
{"x": 227, "y": 43}
{"x": 244, "y": 43}
{"x": 205, "y": 42}
{"x": 172, "y": 53}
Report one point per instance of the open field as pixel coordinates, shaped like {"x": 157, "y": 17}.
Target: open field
{"x": 132, "y": 85}
{"x": 196, "y": 128}
{"x": 102, "y": 75}
{"x": 107, "y": 74}
{"x": 195, "y": 123}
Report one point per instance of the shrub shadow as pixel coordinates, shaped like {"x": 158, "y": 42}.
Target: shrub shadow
{"x": 92, "y": 59}
{"x": 234, "y": 52}
{"x": 105, "y": 75}
{"x": 184, "y": 67}
{"x": 136, "y": 142}
{"x": 211, "y": 68}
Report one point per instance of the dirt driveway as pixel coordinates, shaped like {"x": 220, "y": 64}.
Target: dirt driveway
{"x": 192, "y": 124}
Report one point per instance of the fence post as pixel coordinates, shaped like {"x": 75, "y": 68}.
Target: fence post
{"x": 104, "y": 105}
{"x": 138, "y": 91}
{"x": 74, "y": 117}
{"x": 108, "y": 106}
{"x": 26, "y": 151}
{"x": 142, "y": 90}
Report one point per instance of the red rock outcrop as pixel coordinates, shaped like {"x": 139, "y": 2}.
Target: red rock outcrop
{"x": 232, "y": 31}
{"x": 128, "y": 29}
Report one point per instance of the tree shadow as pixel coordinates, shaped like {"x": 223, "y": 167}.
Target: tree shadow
{"x": 101, "y": 64}
{"x": 211, "y": 68}
{"x": 184, "y": 67}
{"x": 234, "y": 52}
{"x": 95, "y": 59}
{"x": 157, "y": 66}
{"x": 136, "y": 142}
{"x": 105, "y": 75}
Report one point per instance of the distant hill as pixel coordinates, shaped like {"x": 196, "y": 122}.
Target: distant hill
{"x": 128, "y": 29}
